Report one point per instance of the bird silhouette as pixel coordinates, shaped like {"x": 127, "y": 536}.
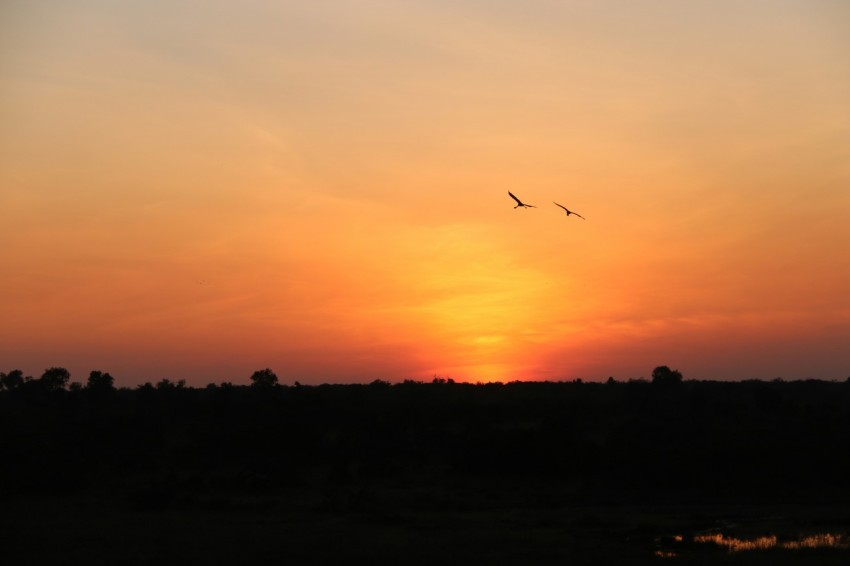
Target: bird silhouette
{"x": 519, "y": 203}
{"x": 568, "y": 211}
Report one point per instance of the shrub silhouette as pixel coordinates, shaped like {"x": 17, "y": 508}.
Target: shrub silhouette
{"x": 168, "y": 385}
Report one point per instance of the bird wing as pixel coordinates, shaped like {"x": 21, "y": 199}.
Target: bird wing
{"x": 570, "y": 211}
{"x": 513, "y": 197}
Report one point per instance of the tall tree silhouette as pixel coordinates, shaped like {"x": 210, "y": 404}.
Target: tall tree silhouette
{"x": 100, "y": 382}
{"x": 666, "y": 377}
{"x": 11, "y": 380}
{"x": 263, "y": 378}
{"x": 55, "y": 378}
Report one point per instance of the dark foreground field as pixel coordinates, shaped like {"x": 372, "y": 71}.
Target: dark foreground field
{"x": 438, "y": 473}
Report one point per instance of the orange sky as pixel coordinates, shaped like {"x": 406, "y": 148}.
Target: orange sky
{"x": 197, "y": 191}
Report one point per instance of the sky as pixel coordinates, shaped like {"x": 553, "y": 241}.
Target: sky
{"x": 196, "y": 190}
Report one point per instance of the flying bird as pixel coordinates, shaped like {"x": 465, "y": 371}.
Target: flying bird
{"x": 568, "y": 211}
{"x": 519, "y": 203}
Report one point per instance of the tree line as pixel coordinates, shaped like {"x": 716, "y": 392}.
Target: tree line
{"x": 663, "y": 437}
{"x": 59, "y": 378}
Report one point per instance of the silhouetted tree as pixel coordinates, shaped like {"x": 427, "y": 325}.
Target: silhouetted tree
{"x": 100, "y": 382}
{"x": 263, "y": 378}
{"x": 664, "y": 376}
{"x": 168, "y": 385}
{"x": 55, "y": 378}
{"x": 11, "y": 380}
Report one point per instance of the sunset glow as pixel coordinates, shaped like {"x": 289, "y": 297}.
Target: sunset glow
{"x": 198, "y": 191}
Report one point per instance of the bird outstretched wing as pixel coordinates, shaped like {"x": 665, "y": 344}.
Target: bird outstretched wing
{"x": 519, "y": 203}
{"x": 568, "y": 211}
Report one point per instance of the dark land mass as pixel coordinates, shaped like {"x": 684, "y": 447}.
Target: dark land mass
{"x": 422, "y": 473}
